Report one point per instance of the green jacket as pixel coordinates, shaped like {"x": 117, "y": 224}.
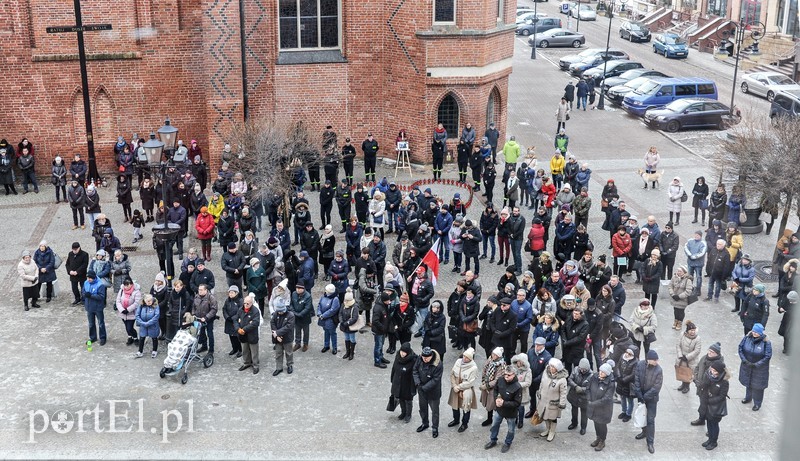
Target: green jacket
{"x": 511, "y": 151}
{"x": 257, "y": 282}
{"x": 581, "y": 205}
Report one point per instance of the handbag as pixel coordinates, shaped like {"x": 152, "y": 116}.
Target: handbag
{"x": 536, "y": 419}
{"x": 703, "y": 204}
{"x": 362, "y": 320}
{"x": 683, "y": 373}
{"x": 590, "y": 245}
{"x": 392, "y": 405}
{"x": 377, "y": 219}
{"x": 742, "y": 217}
{"x": 765, "y": 217}
{"x": 471, "y": 327}
{"x": 650, "y": 337}
{"x": 57, "y": 261}
{"x": 684, "y": 197}
{"x": 567, "y": 117}
{"x": 640, "y": 415}
{"x": 691, "y": 299}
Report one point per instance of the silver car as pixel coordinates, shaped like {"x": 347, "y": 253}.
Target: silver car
{"x": 767, "y": 84}
{"x": 559, "y": 37}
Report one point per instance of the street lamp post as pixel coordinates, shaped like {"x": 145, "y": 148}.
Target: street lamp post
{"x": 535, "y": 27}
{"x": 610, "y": 13}
{"x": 738, "y": 33}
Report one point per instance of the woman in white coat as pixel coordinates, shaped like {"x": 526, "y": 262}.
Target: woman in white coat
{"x": 525, "y": 378}
{"x": 377, "y": 213}
{"x": 675, "y": 203}
{"x": 29, "y": 278}
{"x": 463, "y": 398}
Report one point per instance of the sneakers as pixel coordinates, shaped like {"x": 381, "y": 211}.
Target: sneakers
{"x": 139, "y": 355}
{"x": 154, "y": 354}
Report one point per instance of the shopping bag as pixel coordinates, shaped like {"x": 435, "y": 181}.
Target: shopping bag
{"x": 683, "y": 373}
{"x": 536, "y": 419}
{"x": 640, "y": 416}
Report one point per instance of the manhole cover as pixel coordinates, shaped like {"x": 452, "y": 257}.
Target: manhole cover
{"x": 165, "y": 397}
{"x": 129, "y": 249}
{"x": 764, "y": 271}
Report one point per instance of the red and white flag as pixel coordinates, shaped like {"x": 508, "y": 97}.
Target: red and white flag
{"x": 431, "y": 260}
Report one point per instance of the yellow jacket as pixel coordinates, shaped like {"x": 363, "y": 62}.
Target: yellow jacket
{"x": 557, "y": 165}
{"x": 736, "y": 244}
{"x": 215, "y": 209}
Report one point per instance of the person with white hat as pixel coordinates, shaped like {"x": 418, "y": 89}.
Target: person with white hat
{"x": 552, "y": 396}
{"x": 492, "y": 372}
{"x": 463, "y": 398}
{"x": 327, "y": 311}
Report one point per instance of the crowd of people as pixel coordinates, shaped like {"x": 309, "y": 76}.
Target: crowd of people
{"x": 555, "y": 332}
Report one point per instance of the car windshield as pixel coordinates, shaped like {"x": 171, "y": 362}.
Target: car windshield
{"x": 633, "y": 73}
{"x": 586, "y": 8}
{"x": 636, "y": 83}
{"x": 647, "y": 88}
{"x": 669, "y": 40}
{"x": 780, "y": 80}
{"x": 636, "y": 27}
{"x": 679, "y": 105}
{"x": 587, "y": 53}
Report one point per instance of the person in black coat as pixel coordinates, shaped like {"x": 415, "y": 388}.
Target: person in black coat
{"x": 435, "y": 325}
{"x": 282, "y": 326}
{"x": 233, "y": 302}
{"x": 624, "y": 376}
{"x": 503, "y": 326}
{"x": 647, "y": 382}
{"x": 402, "y": 379}
{"x": 468, "y": 313}
{"x": 428, "y": 380}
{"x": 508, "y": 399}
{"x": 76, "y": 266}
{"x": 246, "y": 324}
{"x": 538, "y": 357}
{"x": 381, "y": 321}
{"x": 574, "y": 332}
{"x": 178, "y": 303}
{"x": 713, "y": 392}
{"x": 124, "y": 197}
{"x": 700, "y": 193}
{"x": 600, "y": 403}
{"x": 471, "y": 242}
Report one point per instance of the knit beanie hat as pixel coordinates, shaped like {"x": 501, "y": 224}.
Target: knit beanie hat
{"x": 606, "y": 368}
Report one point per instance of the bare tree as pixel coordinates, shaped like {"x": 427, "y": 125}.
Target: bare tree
{"x": 761, "y": 157}
{"x": 268, "y": 152}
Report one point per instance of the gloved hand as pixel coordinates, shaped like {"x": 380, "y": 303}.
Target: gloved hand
{"x": 676, "y": 297}
{"x": 580, "y": 390}
{"x": 562, "y": 406}
{"x": 125, "y": 311}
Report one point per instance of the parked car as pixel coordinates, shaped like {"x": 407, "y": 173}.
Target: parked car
{"x": 616, "y": 94}
{"x": 690, "y": 113}
{"x": 786, "y": 104}
{"x": 630, "y": 75}
{"x": 670, "y": 45}
{"x": 612, "y": 69}
{"x": 559, "y": 37}
{"x": 634, "y": 31}
{"x": 568, "y": 60}
{"x": 661, "y": 91}
{"x": 542, "y": 25}
{"x": 528, "y": 17}
{"x": 767, "y": 84}
{"x": 587, "y": 13}
{"x": 523, "y": 9}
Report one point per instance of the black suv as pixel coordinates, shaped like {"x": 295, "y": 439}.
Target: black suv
{"x": 613, "y": 68}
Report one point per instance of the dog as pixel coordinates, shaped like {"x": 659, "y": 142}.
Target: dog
{"x": 650, "y": 177}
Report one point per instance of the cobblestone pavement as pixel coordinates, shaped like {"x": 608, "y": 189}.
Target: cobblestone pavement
{"x": 330, "y": 408}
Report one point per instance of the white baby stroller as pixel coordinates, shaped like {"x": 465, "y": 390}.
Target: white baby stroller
{"x": 182, "y": 350}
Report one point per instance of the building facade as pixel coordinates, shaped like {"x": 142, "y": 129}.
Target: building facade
{"x": 361, "y": 66}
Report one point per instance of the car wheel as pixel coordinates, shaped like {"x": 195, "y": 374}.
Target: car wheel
{"x": 722, "y": 125}
{"x": 770, "y": 95}
{"x": 621, "y": 35}
{"x": 666, "y": 55}
{"x": 525, "y": 32}
{"x": 654, "y": 49}
{"x": 745, "y": 88}
{"x": 673, "y": 126}
{"x": 576, "y": 44}
{"x": 544, "y": 44}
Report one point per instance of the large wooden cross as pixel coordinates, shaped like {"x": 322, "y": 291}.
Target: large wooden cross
{"x": 79, "y": 28}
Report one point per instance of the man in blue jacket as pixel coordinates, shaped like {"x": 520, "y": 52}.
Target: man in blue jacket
{"x": 305, "y": 275}
{"x": 696, "y": 250}
{"x": 441, "y": 227}
{"x": 94, "y": 301}
{"x": 524, "y": 312}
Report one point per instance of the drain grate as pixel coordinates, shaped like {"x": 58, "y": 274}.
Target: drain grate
{"x": 129, "y": 249}
{"x": 764, "y": 271}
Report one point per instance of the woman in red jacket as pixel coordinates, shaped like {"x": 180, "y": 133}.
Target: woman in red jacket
{"x": 536, "y": 237}
{"x": 621, "y": 245}
{"x": 204, "y": 224}
{"x": 548, "y": 192}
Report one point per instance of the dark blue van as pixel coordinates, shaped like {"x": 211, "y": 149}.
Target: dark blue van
{"x": 661, "y": 91}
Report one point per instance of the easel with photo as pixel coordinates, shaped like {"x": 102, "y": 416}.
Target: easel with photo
{"x": 403, "y": 158}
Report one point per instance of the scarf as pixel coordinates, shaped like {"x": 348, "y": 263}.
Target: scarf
{"x": 490, "y": 368}
{"x": 127, "y": 296}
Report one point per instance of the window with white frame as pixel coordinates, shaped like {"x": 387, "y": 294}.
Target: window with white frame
{"x": 309, "y": 24}
{"x": 444, "y": 11}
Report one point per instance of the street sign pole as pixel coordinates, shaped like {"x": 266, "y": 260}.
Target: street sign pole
{"x": 79, "y": 28}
